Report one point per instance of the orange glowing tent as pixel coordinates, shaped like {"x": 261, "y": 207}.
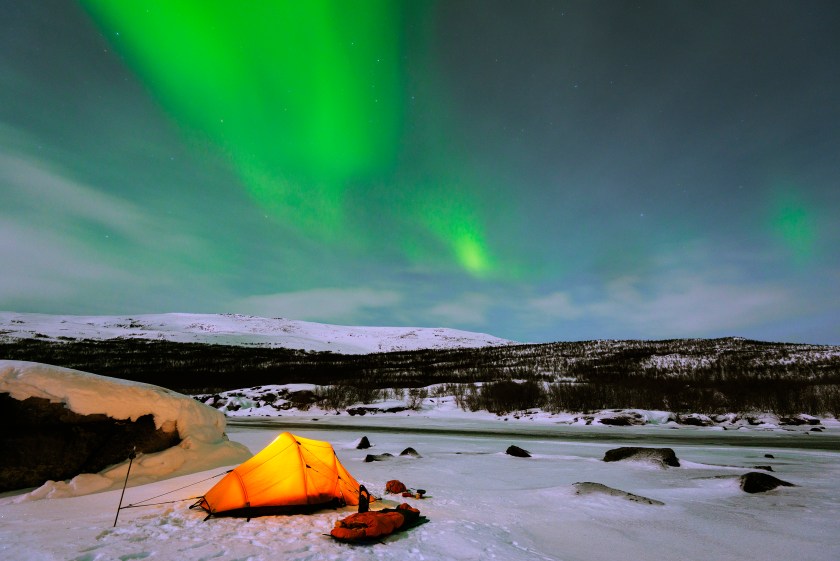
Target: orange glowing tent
{"x": 292, "y": 474}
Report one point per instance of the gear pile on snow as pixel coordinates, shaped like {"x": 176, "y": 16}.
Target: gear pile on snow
{"x": 374, "y": 524}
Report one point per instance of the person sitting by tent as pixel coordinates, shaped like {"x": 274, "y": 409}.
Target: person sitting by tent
{"x": 373, "y": 524}
{"x": 364, "y": 499}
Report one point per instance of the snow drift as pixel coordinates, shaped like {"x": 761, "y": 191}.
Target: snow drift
{"x": 201, "y": 429}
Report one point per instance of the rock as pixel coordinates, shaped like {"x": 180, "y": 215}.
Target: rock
{"x": 374, "y": 410}
{"x": 43, "y": 441}
{"x": 661, "y": 456}
{"x": 623, "y": 419}
{"x": 817, "y": 429}
{"x": 757, "y": 482}
{"x": 618, "y": 421}
{"x": 378, "y": 457}
{"x": 517, "y": 452}
{"x": 363, "y": 444}
{"x": 771, "y": 456}
{"x": 589, "y": 488}
{"x": 801, "y": 419}
{"x": 765, "y": 468}
{"x": 410, "y": 452}
{"x": 696, "y": 420}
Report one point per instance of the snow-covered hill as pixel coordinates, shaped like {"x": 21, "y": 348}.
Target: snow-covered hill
{"x": 235, "y": 329}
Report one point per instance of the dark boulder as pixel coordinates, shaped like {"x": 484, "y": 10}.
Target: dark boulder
{"x": 378, "y": 457}
{"x": 517, "y": 452}
{"x": 363, "y": 444}
{"x": 758, "y": 482}
{"x": 765, "y": 468}
{"x": 410, "y": 452}
{"x": 43, "y": 441}
{"x": 695, "y": 420}
{"x": 771, "y": 456}
{"x": 661, "y": 456}
{"x": 801, "y": 419}
{"x": 623, "y": 419}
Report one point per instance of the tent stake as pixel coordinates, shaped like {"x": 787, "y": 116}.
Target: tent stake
{"x": 131, "y": 457}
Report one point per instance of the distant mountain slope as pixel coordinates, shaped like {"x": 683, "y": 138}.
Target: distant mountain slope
{"x": 239, "y": 330}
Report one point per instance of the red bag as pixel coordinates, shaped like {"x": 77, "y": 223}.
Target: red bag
{"x": 394, "y": 486}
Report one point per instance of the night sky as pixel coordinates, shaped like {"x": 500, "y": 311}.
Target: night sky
{"x": 540, "y": 171}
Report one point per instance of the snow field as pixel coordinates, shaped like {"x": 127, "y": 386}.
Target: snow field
{"x": 482, "y": 504}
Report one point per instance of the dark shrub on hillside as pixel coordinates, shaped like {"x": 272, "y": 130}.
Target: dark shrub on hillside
{"x": 505, "y": 396}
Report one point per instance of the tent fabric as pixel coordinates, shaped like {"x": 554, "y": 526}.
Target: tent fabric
{"x": 290, "y": 474}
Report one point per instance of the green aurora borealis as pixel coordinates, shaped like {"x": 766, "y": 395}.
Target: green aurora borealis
{"x": 305, "y": 99}
{"x": 537, "y": 170}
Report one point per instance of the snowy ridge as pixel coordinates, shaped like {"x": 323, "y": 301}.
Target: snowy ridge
{"x": 240, "y": 330}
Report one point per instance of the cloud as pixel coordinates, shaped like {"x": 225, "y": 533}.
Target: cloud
{"x": 34, "y": 187}
{"x": 557, "y": 305}
{"x": 37, "y": 192}
{"x": 40, "y": 265}
{"x": 668, "y": 304}
{"x": 67, "y": 246}
{"x": 469, "y": 309}
{"x": 332, "y": 305}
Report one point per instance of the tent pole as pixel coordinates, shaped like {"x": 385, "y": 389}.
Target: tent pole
{"x": 131, "y": 457}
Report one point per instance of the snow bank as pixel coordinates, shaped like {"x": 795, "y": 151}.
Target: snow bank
{"x": 279, "y": 401}
{"x": 204, "y": 444}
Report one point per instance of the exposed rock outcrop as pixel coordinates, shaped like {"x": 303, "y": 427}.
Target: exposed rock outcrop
{"x": 801, "y": 419}
{"x": 378, "y": 457}
{"x": 624, "y": 419}
{"x": 757, "y": 482}
{"x": 590, "y": 488}
{"x": 363, "y": 444}
{"x": 43, "y": 441}
{"x": 695, "y": 420}
{"x": 517, "y": 452}
{"x": 661, "y": 456}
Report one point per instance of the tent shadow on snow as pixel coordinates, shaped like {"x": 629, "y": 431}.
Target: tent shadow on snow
{"x": 291, "y": 475}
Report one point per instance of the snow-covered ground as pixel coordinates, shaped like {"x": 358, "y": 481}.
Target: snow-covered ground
{"x": 483, "y": 504}
{"x": 235, "y": 329}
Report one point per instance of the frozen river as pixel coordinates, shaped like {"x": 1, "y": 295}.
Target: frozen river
{"x": 663, "y": 435}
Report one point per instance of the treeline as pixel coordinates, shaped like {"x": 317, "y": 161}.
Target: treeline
{"x": 691, "y": 375}
{"x": 780, "y": 397}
